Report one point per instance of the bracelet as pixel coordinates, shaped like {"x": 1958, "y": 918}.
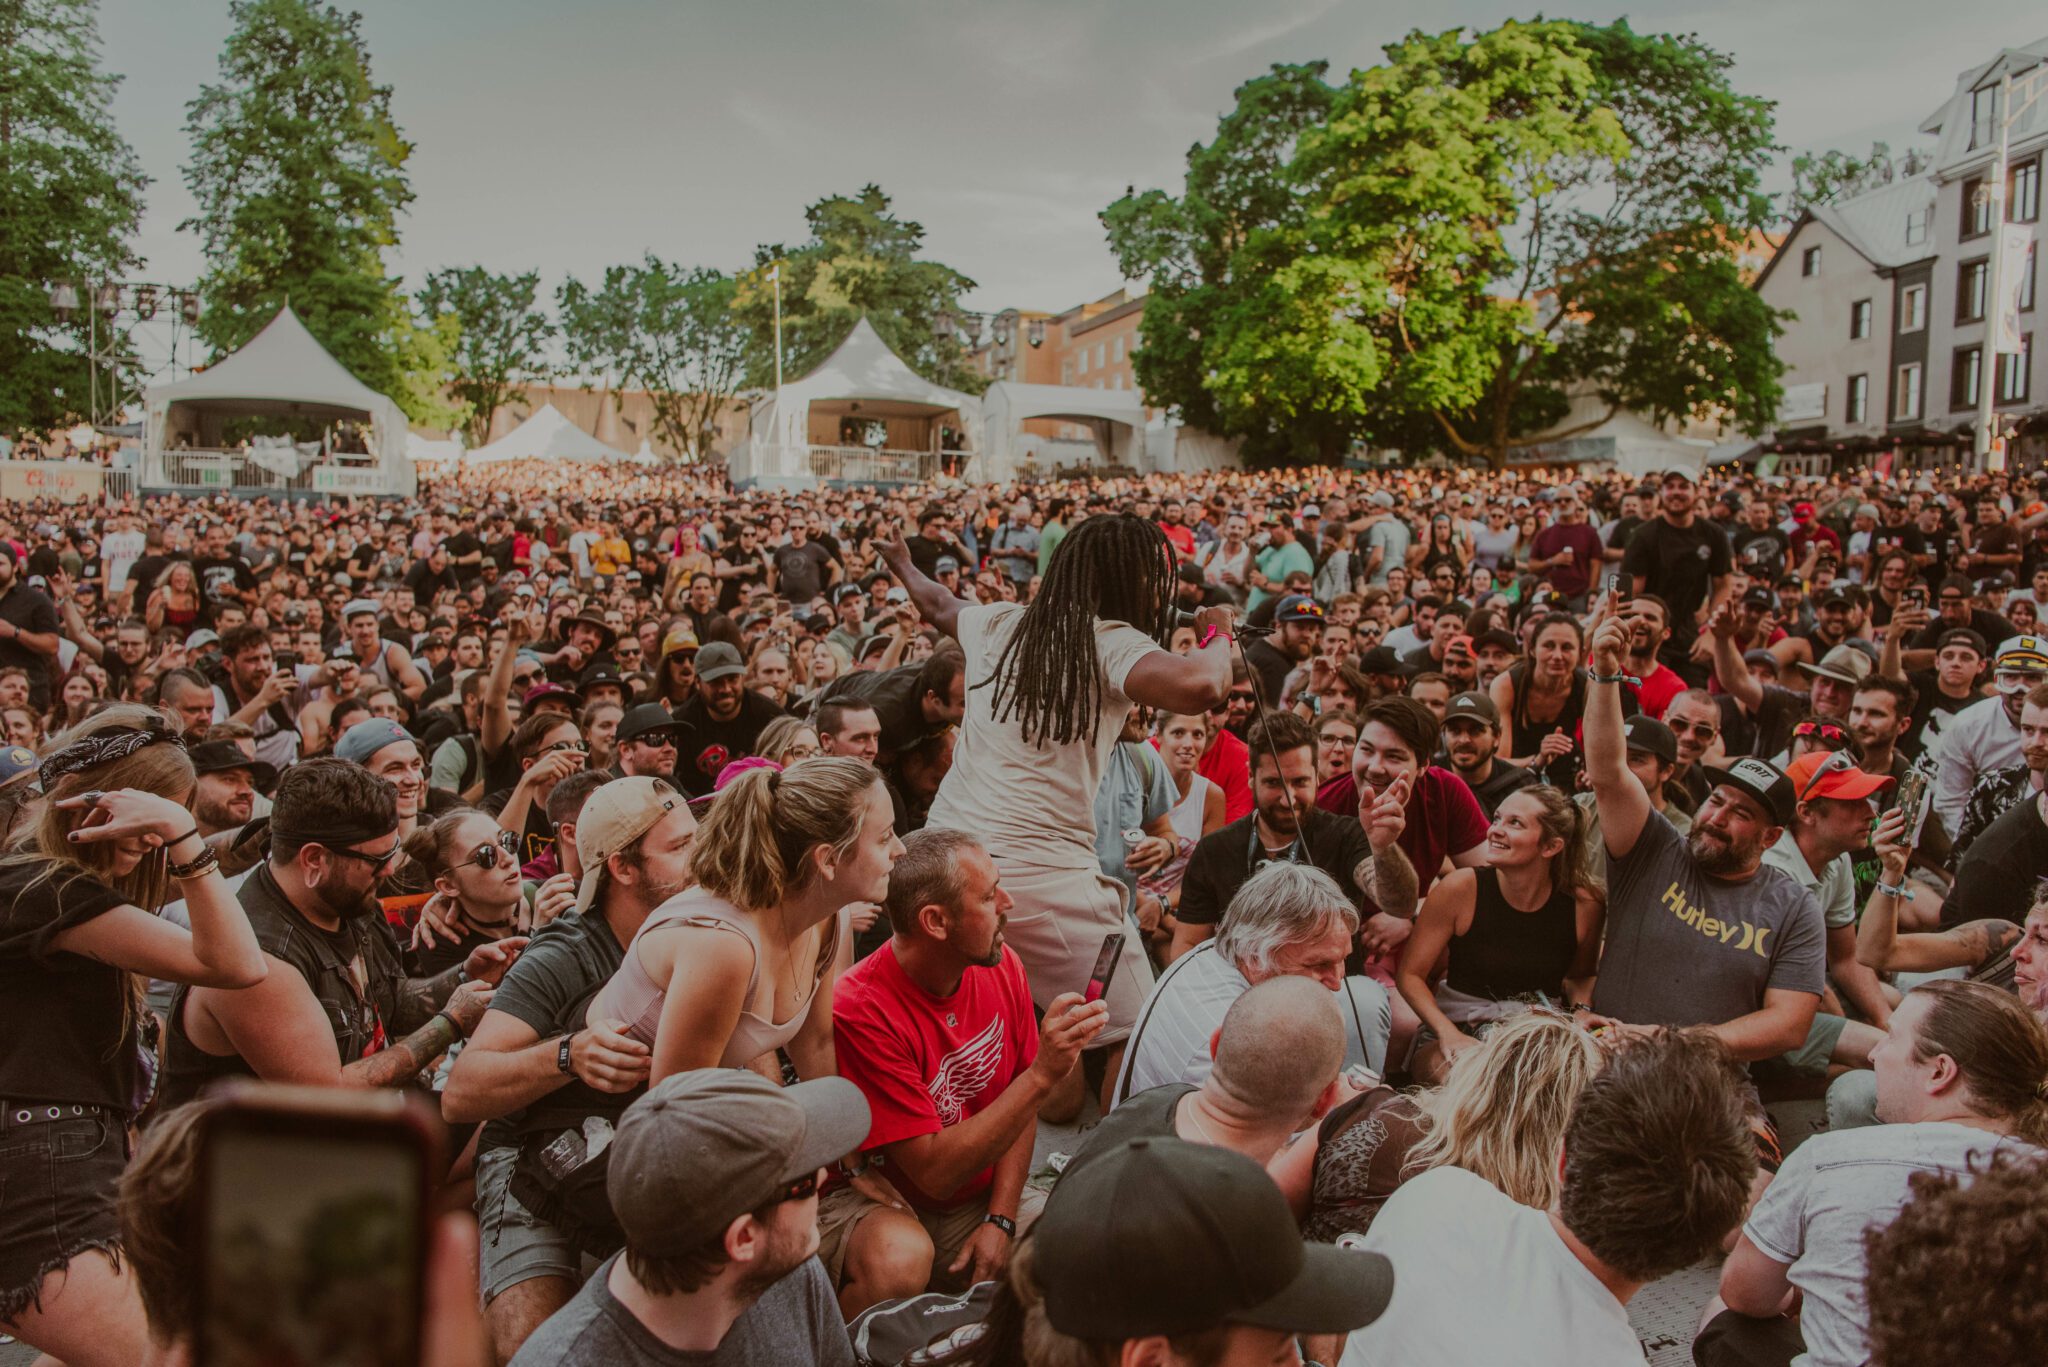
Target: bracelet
{"x": 207, "y": 861}
{"x": 1614, "y": 678}
{"x": 1214, "y": 633}
{"x": 1902, "y": 892}
{"x": 452, "y": 1023}
{"x": 173, "y": 844}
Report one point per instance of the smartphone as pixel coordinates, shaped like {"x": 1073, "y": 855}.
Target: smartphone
{"x": 1105, "y": 967}
{"x": 314, "y": 1217}
{"x": 1913, "y": 597}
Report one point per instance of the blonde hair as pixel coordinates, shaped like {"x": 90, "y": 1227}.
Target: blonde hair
{"x": 778, "y": 735}
{"x": 754, "y": 844}
{"x": 1502, "y": 1112}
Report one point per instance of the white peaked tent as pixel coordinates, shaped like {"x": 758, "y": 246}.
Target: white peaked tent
{"x": 281, "y": 372}
{"x": 547, "y": 435}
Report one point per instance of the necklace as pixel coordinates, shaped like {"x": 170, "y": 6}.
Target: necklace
{"x": 1196, "y": 1121}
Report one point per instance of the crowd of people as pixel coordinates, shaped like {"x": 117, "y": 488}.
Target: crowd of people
{"x": 1408, "y": 880}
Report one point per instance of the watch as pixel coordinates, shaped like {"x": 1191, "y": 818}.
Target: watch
{"x": 562, "y": 1054}
{"x": 1002, "y": 1222}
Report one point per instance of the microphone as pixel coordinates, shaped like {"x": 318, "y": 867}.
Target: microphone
{"x": 1183, "y": 618}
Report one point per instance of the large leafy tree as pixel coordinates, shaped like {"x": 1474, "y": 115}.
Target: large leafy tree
{"x": 70, "y": 200}
{"x": 298, "y": 171}
{"x": 1491, "y": 226}
{"x": 1824, "y": 177}
{"x": 502, "y": 336}
{"x": 669, "y": 330}
{"x": 860, "y": 260}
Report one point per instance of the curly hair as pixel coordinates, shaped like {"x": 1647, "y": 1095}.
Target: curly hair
{"x": 1950, "y": 1278}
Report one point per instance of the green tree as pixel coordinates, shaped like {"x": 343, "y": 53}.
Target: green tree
{"x": 298, "y": 172}
{"x": 860, "y": 260}
{"x": 1824, "y": 177}
{"x": 668, "y": 330}
{"x": 70, "y": 201}
{"x": 503, "y": 337}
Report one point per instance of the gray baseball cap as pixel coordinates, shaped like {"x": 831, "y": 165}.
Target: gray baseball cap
{"x": 703, "y": 1148}
{"x": 717, "y": 661}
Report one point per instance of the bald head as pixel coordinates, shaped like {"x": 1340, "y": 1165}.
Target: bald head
{"x": 1281, "y": 1045}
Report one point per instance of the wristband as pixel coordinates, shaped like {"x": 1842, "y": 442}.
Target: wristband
{"x": 1214, "y": 633}
{"x": 1902, "y": 892}
{"x": 452, "y": 1024}
{"x": 562, "y": 1061}
{"x": 1002, "y": 1222}
{"x": 1614, "y": 678}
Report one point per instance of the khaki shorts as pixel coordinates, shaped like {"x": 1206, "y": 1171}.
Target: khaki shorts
{"x": 1057, "y": 926}
{"x": 841, "y": 1210}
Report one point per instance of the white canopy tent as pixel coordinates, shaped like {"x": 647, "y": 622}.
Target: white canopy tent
{"x": 795, "y": 436}
{"x": 1115, "y": 418}
{"x": 282, "y": 372}
{"x": 547, "y": 435}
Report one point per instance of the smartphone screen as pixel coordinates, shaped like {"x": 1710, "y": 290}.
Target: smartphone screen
{"x": 1105, "y": 967}
{"x": 313, "y": 1249}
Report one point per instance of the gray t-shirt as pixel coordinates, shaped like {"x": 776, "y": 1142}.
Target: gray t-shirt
{"x": 796, "y": 1320}
{"x": 1831, "y": 1189}
{"x": 1389, "y": 535}
{"x": 1686, "y": 949}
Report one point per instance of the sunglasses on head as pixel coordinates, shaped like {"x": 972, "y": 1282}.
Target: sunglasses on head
{"x": 502, "y": 845}
{"x": 1827, "y": 733}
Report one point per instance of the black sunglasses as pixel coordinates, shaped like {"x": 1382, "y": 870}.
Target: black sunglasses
{"x": 802, "y": 1189}
{"x": 375, "y": 861}
{"x": 486, "y": 856}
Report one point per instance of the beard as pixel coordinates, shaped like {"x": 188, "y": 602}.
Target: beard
{"x": 785, "y": 1251}
{"x": 1720, "y": 857}
{"x": 338, "y": 899}
{"x": 222, "y": 815}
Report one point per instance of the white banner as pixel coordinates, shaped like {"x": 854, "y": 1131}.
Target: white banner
{"x": 1803, "y": 402}
{"x": 2015, "y": 250}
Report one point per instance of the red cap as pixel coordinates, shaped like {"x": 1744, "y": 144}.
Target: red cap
{"x": 1843, "y": 780}
{"x": 1802, "y": 512}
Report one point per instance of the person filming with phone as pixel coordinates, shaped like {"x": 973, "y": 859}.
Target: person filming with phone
{"x": 936, "y": 1030}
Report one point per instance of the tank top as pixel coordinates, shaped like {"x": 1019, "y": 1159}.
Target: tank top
{"x": 634, "y": 997}
{"x": 1186, "y": 815}
{"x": 1509, "y": 953}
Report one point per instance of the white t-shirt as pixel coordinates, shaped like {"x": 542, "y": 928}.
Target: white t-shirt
{"x": 1031, "y": 804}
{"x": 1479, "y": 1279}
{"x": 118, "y": 553}
{"x": 1831, "y": 1189}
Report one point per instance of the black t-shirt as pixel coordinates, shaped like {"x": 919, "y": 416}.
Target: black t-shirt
{"x": 547, "y": 989}
{"x": 224, "y": 580}
{"x": 1226, "y": 857}
{"x": 1930, "y": 700}
{"x": 707, "y": 745}
{"x": 363, "y": 562}
{"x": 1679, "y": 565}
{"x": 1506, "y": 778}
{"x": 1945, "y": 544}
{"x": 1992, "y": 627}
{"x": 754, "y": 567}
{"x": 70, "y": 1036}
{"x": 1272, "y": 668}
{"x": 2001, "y": 871}
{"x": 142, "y": 574}
{"x": 537, "y": 836}
{"x": 1761, "y": 553}
{"x": 463, "y": 543}
{"x": 800, "y": 571}
{"x": 28, "y": 609}
{"x": 1782, "y": 710}
{"x": 425, "y": 583}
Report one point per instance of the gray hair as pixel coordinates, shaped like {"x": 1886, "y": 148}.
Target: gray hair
{"x": 1284, "y": 903}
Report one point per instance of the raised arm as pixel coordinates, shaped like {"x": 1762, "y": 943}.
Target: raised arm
{"x": 1190, "y": 683}
{"x": 1624, "y": 806}
{"x": 934, "y": 603}
{"x": 1736, "y": 680}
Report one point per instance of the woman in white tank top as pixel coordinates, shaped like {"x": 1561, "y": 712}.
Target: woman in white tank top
{"x": 724, "y": 974}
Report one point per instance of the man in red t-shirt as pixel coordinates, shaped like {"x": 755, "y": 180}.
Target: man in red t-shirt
{"x": 936, "y": 1030}
{"x": 1227, "y": 763}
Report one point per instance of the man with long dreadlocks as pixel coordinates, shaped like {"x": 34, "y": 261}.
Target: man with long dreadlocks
{"x": 1048, "y": 688}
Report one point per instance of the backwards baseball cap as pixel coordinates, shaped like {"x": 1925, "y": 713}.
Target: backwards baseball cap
{"x": 1471, "y": 707}
{"x": 613, "y": 818}
{"x": 1961, "y": 636}
{"x": 1160, "y": 1236}
{"x": 2022, "y": 652}
{"x": 705, "y": 1147}
{"x": 1298, "y": 607}
{"x": 719, "y": 660}
{"x": 366, "y": 738}
{"x": 1761, "y": 782}
{"x": 1833, "y": 774}
{"x": 1652, "y": 737}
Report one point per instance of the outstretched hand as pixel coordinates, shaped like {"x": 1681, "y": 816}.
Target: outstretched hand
{"x": 1610, "y": 645}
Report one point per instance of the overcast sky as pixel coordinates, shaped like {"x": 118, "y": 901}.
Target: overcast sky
{"x": 566, "y": 137}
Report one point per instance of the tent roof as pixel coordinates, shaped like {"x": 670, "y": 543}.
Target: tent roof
{"x": 863, "y": 367}
{"x": 282, "y": 363}
{"x": 547, "y": 435}
{"x": 1023, "y": 401}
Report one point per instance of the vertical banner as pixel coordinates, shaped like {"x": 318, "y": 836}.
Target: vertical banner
{"x": 2015, "y": 253}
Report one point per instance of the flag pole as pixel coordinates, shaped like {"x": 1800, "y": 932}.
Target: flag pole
{"x": 781, "y": 422}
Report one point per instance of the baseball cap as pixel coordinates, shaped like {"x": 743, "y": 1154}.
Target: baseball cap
{"x": 1760, "y": 656}
{"x": 358, "y": 606}
{"x": 1160, "y": 1236}
{"x": 1757, "y": 596}
{"x": 1382, "y": 660}
{"x": 16, "y": 761}
{"x": 1472, "y": 706}
{"x": 223, "y": 756}
{"x": 205, "y": 636}
{"x": 541, "y": 692}
{"x": 1835, "y": 598}
{"x": 846, "y": 591}
{"x": 614, "y": 817}
{"x": 1382, "y": 499}
{"x": 1761, "y": 782}
{"x": 2023, "y": 652}
{"x": 1845, "y": 664}
{"x": 719, "y": 660}
{"x": 603, "y": 672}
{"x": 1298, "y": 607}
{"x": 946, "y": 563}
{"x": 1961, "y": 636}
{"x": 898, "y": 594}
{"x": 1652, "y": 737}
{"x": 1689, "y": 473}
{"x": 1802, "y": 512}
{"x": 705, "y": 1147}
{"x": 366, "y": 738}
{"x": 1498, "y": 638}
{"x": 1191, "y": 573}
{"x": 1833, "y": 774}
{"x": 645, "y": 718}
{"x": 679, "y": 638}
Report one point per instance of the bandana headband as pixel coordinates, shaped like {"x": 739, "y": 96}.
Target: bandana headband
{"x": 103, "y": 747}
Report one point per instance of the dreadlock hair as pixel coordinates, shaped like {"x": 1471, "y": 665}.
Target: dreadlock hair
{"x": 1118, "y": 568}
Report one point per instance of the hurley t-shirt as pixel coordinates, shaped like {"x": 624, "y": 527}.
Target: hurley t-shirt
{"x": 1687, "y": 949}
{"x": 928, "y": 1063}
{"x": 1031, "y": 804}
{"x": 796, "y": 1320}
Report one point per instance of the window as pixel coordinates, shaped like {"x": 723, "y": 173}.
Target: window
{"x": 1906, "y": 402}
{"x": 1976, "y": 208}
{"x": 1859, "y": 320}
{"x": 1964, "y": 376}
{"x": 1117, "y": 351}
{"x": 1809, "y": 261}
{"x": 1912, "y": 308}
{"x": 1917, "y": 224}
{"x": 1970, "y": 281}
{"x": 2013, "y": 369}
{"x": 2023, "y": 193}
{"x": 1084, "y": 362}
{"x": 1100, "y": 359}
{"x": 1858, "y": 409}
{"x": 1067, "y": 371}
{"x": 2027, "y": 280}
{"x": 1983, "y": 117}
{"x": 1116, "y": 382}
